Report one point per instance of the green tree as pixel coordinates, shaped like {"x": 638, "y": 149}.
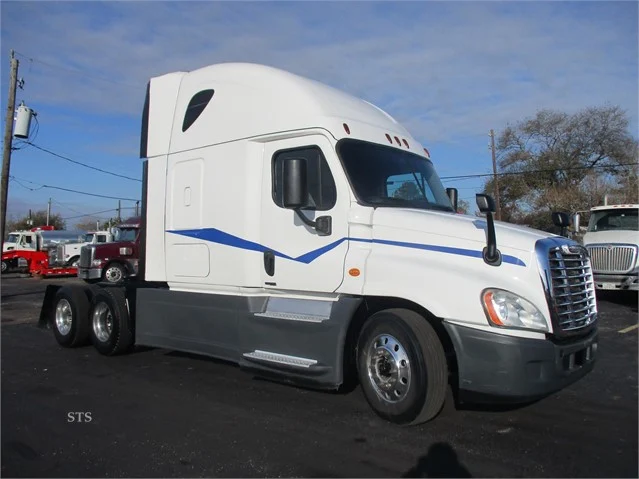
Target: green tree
{"x": 557, "y": 161}
{"x": 38, "y": 218}
{"x": 463, "y": 207}
{"x": 408, "y": 191}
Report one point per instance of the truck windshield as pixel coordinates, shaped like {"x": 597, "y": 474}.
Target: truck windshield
{"x": 87, "y": 238}
{"x": 12, "y": 239}
{"x": 125, "y": 234}
{"x": 614, "y": 219}
{"x": 386, "y": 176}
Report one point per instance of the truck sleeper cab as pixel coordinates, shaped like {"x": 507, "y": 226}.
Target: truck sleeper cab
{"x": 305, "y": 235}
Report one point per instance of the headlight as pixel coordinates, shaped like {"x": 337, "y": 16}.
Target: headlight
{"x": 97, "y": 262}
{"x": 509, "y": 310}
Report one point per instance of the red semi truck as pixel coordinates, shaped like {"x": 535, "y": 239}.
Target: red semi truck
{"x": 115, "y": 261}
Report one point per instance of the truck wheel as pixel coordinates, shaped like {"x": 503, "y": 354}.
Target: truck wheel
{"x": 114, "y": 273}
{"x": 5, "y": 267}
{"x": 402, "y": 367}
{"x": 73, "y": 262}
{"x": 110, "y": 330}
{"x": 71, "y": 317}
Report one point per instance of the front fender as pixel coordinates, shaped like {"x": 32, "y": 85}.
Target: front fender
{"x": 449, "y": 285}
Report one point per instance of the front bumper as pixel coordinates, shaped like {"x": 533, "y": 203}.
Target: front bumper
{"x": 89, "y": 273}
{"x": 617, "y": 281}
{"x": 517, "y": 369}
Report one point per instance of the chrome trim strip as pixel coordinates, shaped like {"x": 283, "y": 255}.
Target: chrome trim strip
{"x": 281, "y": 358}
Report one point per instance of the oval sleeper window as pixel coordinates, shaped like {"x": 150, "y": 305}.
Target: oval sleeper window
{"x": 196, "y": 107}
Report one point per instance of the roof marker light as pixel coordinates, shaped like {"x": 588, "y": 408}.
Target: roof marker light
{"x": 405, "y": 143}
{"x": 389, "y": 138}
{"x": 398, "y": 142}
{"x": 347, "y": 129}
{"x": 427, "y": 152}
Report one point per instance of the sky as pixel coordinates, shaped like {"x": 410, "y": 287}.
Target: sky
{"x": 449, "y": 71}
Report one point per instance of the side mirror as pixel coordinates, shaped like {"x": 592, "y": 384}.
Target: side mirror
{"x": 576, "y": 220}
{"x": 295, "y": 183}
{"x": 559, "y": 218}
{"x": 491, "y": 254}
{"x": 485, "y": 203}
{"x": 452, "y": 194}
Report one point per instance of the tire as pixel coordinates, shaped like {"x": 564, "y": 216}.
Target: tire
{"x": 70, "y": 322}
{"x": 73, "y": 262}
{"x": 110, "y": 331}
{"x": 402, "y": 367}
{"x": 5, "y": 267}
{"x": 114, "y": 273}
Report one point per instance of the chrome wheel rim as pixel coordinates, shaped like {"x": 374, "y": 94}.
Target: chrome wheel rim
{"x": 113, "y": 274}
{"x": 63, "y": 317}
{"x": 102, "y": 322}
{"x": 4, "y": 266}
{"x": 389, "y": 369}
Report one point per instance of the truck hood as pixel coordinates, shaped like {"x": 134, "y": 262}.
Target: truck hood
{"x": 109, "y": 250}
{"x": 457, "y": 227}
{"x": 612, "y": 236}
{"x": 8, "y": 246}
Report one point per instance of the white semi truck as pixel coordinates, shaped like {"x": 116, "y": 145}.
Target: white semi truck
{"x": 69, "y": 253}
{"x": 612, "y": 240}
{"x": 305, "y": 235}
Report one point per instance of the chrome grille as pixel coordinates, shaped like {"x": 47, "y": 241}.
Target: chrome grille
{"x": 86, "y": 256}
{"x": 612, "y": 258}
{"x": 572, "y": 289}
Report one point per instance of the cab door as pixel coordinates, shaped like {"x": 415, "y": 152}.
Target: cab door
{"x": 297, "y": 257}
{"x": 28, "y": 242}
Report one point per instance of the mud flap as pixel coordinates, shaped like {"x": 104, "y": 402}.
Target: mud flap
{"x": 46, "y": 312}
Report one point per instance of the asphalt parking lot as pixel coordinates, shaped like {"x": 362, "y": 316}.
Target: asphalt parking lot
{"x": 156, "y": 413}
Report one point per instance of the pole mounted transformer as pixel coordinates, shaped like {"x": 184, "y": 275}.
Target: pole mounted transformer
{"x": 23, "y": 121}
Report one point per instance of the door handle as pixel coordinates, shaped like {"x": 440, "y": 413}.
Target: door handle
{"x": 269, "y": 263}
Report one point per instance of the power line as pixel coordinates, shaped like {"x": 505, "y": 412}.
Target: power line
{"x": 71, "y": 191}
{"x": 82, "y": 164}
{"x": 63, "y": 205}
{"x": 462, "y": 177}
{"x": 97, "y": 213}
{"x": 78, "y": 72}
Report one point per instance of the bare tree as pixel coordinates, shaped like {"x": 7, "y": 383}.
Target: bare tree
{"x": 557, "y": 161}
{"x": 38, "y": 218}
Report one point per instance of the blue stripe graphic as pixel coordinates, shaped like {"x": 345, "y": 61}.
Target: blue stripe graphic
{"x": 220, "y": 237}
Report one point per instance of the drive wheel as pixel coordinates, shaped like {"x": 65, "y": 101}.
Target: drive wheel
{"x": 71, "y": 317}
{"x": 402, "y": 367}
{"x": 110, "y": 330}
{"x": 5, "y": 267}
{"x": 114, "y": 273}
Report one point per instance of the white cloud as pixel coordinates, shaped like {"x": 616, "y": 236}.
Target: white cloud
{"x": 446, "y": 70}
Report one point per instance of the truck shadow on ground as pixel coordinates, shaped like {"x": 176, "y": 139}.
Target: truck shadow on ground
{"x": 440, "y": 461}
{"x": 622, "y": 298}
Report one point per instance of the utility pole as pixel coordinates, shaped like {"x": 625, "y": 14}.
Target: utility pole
{"x": 48, "y": 211}
{"x": 119, "y": 209}
{"x": 137, "y": 209}
{"x": 495, "y": 177}
{"x": 8, "y": 144}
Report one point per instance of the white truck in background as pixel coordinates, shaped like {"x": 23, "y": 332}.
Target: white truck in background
{"x": 69, "y": 253}
{"x": 612, "y": 241}
{"x": 277, "y": 233}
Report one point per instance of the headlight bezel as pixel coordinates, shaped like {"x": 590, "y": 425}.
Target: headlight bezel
{"x": 524, "y": 303}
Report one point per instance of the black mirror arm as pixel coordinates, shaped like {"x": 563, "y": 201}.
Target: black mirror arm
{"x": 303, "y": 217}
{"x": 491, "y": 254}
{"x": 323, "y": 225}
